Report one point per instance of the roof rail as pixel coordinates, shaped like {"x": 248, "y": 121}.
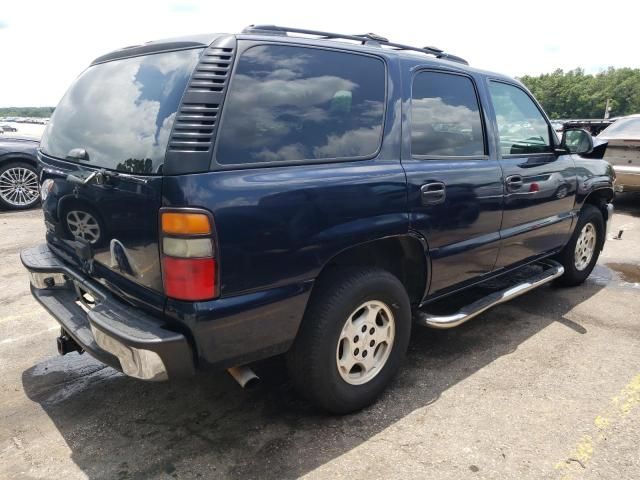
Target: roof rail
{"x": 370, "y": 39}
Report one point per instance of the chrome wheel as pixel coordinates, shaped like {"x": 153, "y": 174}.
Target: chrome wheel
{"x": 365, "y": 342}
{"x": 585, "y": 246}
{"x": 84, "y": 225}
{"x": 19, "y": 187}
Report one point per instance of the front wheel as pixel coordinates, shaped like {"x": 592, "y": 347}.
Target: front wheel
{"x": 352, "y": 340}
{"x": 581, "y": 253}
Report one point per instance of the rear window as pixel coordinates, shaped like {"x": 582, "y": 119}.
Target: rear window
{"x": 121, "y": 112}
{"x": 295, "y": 103}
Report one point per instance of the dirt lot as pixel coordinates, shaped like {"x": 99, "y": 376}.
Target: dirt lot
{"x": 547, "y": 386}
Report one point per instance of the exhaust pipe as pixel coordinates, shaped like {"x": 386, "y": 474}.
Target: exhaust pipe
{"x": 245, "y": 377}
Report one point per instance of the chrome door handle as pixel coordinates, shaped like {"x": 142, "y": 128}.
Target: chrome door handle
{"x": 514, "y": 182}
{"x": 433, "y": 193}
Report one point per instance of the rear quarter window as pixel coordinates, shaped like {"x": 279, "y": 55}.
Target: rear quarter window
{"x": 290, "y": 104}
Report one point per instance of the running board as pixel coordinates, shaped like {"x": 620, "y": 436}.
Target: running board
{"x": 553, "y": 270}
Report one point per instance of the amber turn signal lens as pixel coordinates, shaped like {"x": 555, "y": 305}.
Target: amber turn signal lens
{"x": 185, "y": 223}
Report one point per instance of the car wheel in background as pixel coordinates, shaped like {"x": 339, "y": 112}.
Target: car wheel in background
{"x": 19, "y": 188}
{"x": 352, "y": 340}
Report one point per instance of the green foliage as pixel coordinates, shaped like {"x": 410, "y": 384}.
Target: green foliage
{"x": 573, "y": 94}
{"x": 33, "y": 112}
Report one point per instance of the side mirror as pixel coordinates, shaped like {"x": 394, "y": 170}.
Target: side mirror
{"x": 577, "y": 140}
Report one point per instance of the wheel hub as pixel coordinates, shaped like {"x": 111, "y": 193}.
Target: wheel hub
{"x": 585, "y": 246}
{"x": 365, "y": 342}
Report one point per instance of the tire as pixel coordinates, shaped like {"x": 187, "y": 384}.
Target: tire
{"x": 19, "y": 186}
{"x": 577, "y": 265}
{"x": 322, "y": 341}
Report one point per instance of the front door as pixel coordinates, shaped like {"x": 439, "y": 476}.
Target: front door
{"x": 454, "y": 177}
{"x": 539, "y": 184}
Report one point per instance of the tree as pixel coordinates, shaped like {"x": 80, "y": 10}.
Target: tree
{"x": 574, "y": 94}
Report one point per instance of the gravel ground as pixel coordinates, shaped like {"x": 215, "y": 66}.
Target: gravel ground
{"x": 546, "y": 386}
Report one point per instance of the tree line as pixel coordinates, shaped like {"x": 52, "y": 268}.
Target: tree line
{"x": 574, "y": 94}
{"x": 33, "y": 112}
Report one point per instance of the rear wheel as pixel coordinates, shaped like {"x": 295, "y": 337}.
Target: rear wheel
{"x": 352, "y": 340}
{"x": 580, "y": 255}
{"x": 19, "y": 188}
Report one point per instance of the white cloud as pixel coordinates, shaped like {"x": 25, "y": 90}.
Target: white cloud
{"x": 45, "y": 45}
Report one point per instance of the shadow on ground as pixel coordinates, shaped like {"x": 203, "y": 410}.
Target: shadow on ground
{"x": 117, "y": 427}
{"x": 627, "y": 203}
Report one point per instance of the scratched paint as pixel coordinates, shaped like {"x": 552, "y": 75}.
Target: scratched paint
{"x": 620, "y": 406}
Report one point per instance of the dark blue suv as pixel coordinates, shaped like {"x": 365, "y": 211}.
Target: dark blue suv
{"x": 215, "y": 200}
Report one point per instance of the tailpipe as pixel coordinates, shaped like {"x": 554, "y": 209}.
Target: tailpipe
{"x": 245, "y": 377}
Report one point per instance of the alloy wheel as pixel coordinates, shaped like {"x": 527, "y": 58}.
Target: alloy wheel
{"x": 365, "y": 342}
{"x": 19, "y": 187}
{"x": 585, "y": 246}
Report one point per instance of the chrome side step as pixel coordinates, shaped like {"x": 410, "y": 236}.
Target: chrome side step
{"x": 553, "y": 270}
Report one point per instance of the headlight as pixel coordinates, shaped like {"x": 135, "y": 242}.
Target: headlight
{"x": 45, "y": 188}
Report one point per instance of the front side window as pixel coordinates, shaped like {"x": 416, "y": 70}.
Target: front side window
{"x": 289, "y": 103}
{"x": 445, "y": 116}
{"x": 522, "y": 128}
{"x": 121, "y": 112}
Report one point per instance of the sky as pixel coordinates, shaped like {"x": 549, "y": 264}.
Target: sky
{"x": 44, "y": 45}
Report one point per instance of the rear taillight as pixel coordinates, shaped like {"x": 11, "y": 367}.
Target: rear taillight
{"x": 189, "y": 268}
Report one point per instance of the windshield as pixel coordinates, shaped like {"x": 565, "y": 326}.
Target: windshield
{"x": 623, "y": 128}
{"x": 121, "y": 112}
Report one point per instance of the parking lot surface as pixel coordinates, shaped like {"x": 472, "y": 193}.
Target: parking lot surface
{"x": 546, "y": 386}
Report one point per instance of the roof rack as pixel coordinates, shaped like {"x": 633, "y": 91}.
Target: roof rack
{"x": 370, "y": 39}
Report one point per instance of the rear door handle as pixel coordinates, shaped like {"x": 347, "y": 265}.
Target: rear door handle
{"x": 433, "y": 193}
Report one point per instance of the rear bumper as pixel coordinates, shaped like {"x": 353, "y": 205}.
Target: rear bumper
{"x": 121, "y": 336}
{"x": 627, "y": 178}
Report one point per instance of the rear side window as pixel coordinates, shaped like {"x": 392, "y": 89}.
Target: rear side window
{"x": 290, "y": 103}
{"x": 121, "y": 112}
{"x": 445, "y": 116}
{"x": 522, "y": 128}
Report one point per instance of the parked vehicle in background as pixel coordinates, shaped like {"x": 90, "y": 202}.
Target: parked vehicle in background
{"x": 215, "y": 200}
{"x": 8, "y": 128}
{"x": 19, "y": 187}
{"x": 623, "y": 152}
{"x": 593, "y": 126}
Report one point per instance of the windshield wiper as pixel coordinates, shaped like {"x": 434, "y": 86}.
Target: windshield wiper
{"x": 103, "y": 177}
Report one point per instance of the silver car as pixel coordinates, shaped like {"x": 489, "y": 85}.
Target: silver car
{"x": 623, "y": 152}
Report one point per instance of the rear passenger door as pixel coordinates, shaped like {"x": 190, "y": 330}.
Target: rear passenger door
{"x": 539, "y": 184}
{"x": 454, "y": 177}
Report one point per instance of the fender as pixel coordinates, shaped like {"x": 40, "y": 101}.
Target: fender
{"x": 593, "y": 175}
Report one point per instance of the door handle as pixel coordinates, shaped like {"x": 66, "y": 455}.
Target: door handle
{"x": 433, "y": 193}
{"x": 514, "y": 182}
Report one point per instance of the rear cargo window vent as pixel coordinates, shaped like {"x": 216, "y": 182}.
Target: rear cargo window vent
{"x": 194, "y": 127}
{"x": 213, "y": 70}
